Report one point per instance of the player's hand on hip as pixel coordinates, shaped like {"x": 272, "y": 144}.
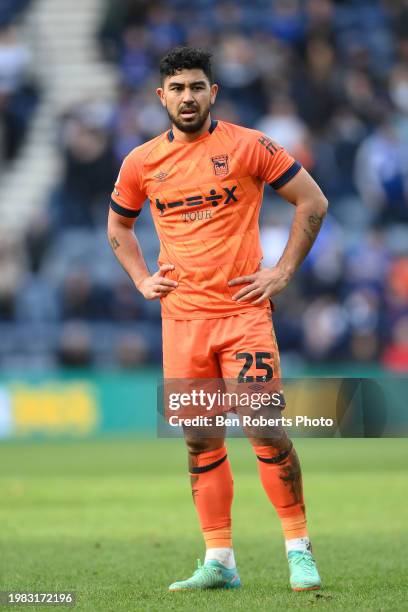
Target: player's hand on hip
{"x": 157, "y": 286}
{"x": 260, "y": 286}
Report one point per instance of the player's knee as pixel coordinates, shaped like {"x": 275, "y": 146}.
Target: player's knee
{"x": 280, "y": 443}
{"x": 267, "y": 453}
{"x": 197, "y": 445}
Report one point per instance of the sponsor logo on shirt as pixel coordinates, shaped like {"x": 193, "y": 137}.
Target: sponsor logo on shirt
{"x": 269, "y": 144}
{"x": 226, "y": 195}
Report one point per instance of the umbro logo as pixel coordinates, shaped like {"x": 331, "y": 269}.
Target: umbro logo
{"x": 255, "y": 387}
{"x": 160, "y": 176}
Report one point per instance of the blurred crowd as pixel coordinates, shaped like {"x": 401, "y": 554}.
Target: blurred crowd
{"x": 18, "y": 91}
{"x": 329, "y": 81}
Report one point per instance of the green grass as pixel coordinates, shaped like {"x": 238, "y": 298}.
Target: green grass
{"x": 114, "y": 521}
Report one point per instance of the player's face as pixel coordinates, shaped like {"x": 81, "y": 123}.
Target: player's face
{"x": 187, "y": 97}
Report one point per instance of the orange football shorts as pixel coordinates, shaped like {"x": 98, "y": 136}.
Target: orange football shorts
{"x": 240, "y": 347}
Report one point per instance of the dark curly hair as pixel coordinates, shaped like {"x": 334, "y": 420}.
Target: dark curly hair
{"x": 181, "y": 58}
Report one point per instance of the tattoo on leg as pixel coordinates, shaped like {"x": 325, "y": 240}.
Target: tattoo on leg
{"x": 193, "y": 480}
{"x": 192, "y": 463}
{"x": 114, "y": 243}
{"x": 291, "y": 476}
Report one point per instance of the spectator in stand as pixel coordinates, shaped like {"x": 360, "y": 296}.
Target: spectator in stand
{"x": 135, "y": 59}
{"x": 395, "y": 356}
{"x": 381, "y": 174}
{"x": 325, "y": 330}
{"x": 75, "y": 345}
{"x": 284, "y": 125}
{"x": 82, "y": 298}
{"x": 240, "y": 78}
{"x": 18, "y": 94}
{"x": 89, "y": 165}
{"x": 12, "y": 266}
{"x": 11, "y": 9}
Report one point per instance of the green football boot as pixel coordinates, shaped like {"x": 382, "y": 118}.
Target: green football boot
{"x": 303, "y": 571}
{"x": 212, "y": 575}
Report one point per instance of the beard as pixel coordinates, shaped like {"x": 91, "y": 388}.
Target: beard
{"x": 187, "y": 125}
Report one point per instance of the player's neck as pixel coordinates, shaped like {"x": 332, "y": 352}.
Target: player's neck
{"x": 190, "y": 137}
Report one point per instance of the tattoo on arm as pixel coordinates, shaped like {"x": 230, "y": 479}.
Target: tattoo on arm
{"x": 314, "y": 225}
{"x": 114, "y": 243}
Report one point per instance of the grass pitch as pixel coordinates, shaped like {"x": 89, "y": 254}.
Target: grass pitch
{"x": 114, "y": 522}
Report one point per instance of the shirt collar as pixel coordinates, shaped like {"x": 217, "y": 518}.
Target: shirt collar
{"x": 213, "y": 125}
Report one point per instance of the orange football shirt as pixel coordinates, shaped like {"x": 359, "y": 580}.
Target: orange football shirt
{"x": 205, "y": 197}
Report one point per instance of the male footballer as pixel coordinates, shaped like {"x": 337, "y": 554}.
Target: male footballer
{"x": 204, "y": 180}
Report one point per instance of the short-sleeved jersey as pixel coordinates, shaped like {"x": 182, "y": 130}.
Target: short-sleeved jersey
{"x": 205, "y": 198}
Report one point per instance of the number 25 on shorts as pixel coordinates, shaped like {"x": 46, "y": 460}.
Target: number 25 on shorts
{"x": 260, "y": 365}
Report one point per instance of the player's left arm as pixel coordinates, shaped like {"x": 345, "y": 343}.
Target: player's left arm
{"x": 311, "y": 207}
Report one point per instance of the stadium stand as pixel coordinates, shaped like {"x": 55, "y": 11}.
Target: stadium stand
{"x": 329, "y": 80}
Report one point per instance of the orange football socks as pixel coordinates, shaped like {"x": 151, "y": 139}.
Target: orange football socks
{"x": 212, "y": 488}
{"x": 282, "y": 480}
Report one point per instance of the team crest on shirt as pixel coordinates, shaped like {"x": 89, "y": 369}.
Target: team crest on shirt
{"x": 220, "y": 165}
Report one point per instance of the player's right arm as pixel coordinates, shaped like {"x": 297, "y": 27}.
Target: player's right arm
{"x": 127, "y": 249}
{"x": 127, "y": 201}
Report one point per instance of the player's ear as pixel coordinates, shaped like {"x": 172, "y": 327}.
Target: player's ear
{"x": 214, "y": 91}
{"x": 160, "y": 93}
